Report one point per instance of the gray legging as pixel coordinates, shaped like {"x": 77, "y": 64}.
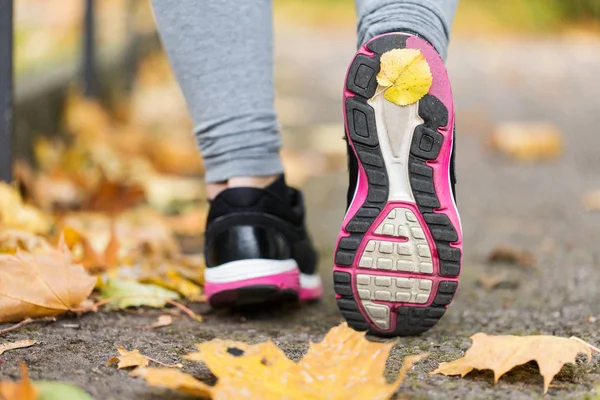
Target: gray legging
{"x": 222, "y": 55}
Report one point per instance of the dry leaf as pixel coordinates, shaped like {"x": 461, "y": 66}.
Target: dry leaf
{"x": 162, "y": 320}
{"x": 503, "y": 353}
{"x": 112, "y": 197}
{"x": 504, "y": 254}
{"x": 133, "y": 358}
{"x": 344, "y": 365}
{"x": 129, "y": 293}
{"x": 38, "y": 285}
{"x": 19, "y": 344}
{"x": 406, "y": 75}
{"x": 528, "y": 141}
{"x": 15, "y": 214}
{"x": 128, "y": 359}
{"x": 174, "y": 379}
{"x": 92, "y": 260}
{"x": 21, "y": 390}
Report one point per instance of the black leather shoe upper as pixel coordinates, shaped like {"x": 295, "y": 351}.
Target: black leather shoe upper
{"x": 249, "y": 223}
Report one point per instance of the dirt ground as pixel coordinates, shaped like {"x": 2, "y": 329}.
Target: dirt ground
{"x": 533, "y": 207}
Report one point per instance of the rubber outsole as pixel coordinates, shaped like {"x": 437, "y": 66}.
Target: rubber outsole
{"x": 407, "y": 293}
{"x": 250, "y": 295}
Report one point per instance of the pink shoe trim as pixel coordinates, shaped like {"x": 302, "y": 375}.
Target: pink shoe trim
{"x": 286, "y": 280}
{"x": 311, "y": 293}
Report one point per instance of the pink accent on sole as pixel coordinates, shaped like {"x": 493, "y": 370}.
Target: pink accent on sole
{"x": 285, "y": 281}
{"x": 442, "y": 287}
{"x": 308, "y": 294}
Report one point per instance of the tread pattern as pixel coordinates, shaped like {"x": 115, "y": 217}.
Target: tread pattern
{"x": 426, "y": 145}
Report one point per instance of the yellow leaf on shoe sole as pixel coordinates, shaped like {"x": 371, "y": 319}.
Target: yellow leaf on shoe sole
{"x": 406, "y": 76}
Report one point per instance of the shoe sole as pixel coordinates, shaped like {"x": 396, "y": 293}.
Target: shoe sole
{"x": 399, "y": 252}
{"x": 257, "y": 281}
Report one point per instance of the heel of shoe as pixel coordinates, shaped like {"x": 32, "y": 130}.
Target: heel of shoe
{"x": 252, "y": 281}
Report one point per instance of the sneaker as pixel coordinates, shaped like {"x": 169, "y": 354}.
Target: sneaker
{"x": 399, "y": 250}
{"x": 257, "y": 249}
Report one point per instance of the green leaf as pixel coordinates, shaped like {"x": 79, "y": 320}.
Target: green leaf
{"x": 50, "y": 390}
{"x": 130, "y": 293}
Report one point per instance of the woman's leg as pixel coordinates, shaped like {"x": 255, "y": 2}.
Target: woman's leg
{"x": 222, "y": 54}
{"x": 256, "y": 246}
{"x": 429, "y": 19}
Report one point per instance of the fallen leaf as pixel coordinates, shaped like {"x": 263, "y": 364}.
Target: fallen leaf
{"x": 21, "y": 390}
{"x": 129, "y": 293}
{"x": 134, "y": 358}
{"x": 406, "y": 75}
{"x": 92, "y": 260}
{"x": 167, "y": 276}
{"x": 344, "y": 365}
{"x": 113, "y": 197}
{"x": 528, "y": 141}
{"x": 162, "y": 320}
{"x": 15, "y": 214}
{"x": 128, "y": 359}
{"x": 38, "y": 285}
{"x": 174, "y": 379}
{"x": 46, "y": 190}
{"x": 50, "y": 390}
{"x": 504, "y": 254}
{"x": 19, "y": 344}
{"x": 502, "y": 353}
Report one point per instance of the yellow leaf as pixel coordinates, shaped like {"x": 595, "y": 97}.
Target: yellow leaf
{"x": 128, "y": 359}
{"x": 21, "y": 390}
{"x": 528, "y": 141}
{"x": 130, "y": 293}
{"x": 15, "y": 214}
{"x": 38, "y": 285}
{"x": 406, "y": 75}
{"x": 19, "y": 344}
{"x": 93, "y": 260}
{"x": 170, "y": 278}
{"x": 503, "y": 353}
{"x": 174, "y": 379}
{"x": 344, "y": 365}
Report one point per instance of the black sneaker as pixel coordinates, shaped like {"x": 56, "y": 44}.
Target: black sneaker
{"x": 399, "y": 251}
{"x": 257, "y": 248}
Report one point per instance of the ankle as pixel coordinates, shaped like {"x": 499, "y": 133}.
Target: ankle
{"x": 260, "y": 182}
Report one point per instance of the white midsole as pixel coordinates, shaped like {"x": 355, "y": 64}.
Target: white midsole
{"x": 248, "y": 269}
{"x": 395, "y": 127}
{"x": 310, "y": 281}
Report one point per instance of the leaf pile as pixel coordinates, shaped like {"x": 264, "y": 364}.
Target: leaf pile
{"x": 117, "y": 190}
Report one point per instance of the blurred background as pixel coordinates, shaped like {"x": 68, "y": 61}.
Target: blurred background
{"x": 108, "y": 114}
